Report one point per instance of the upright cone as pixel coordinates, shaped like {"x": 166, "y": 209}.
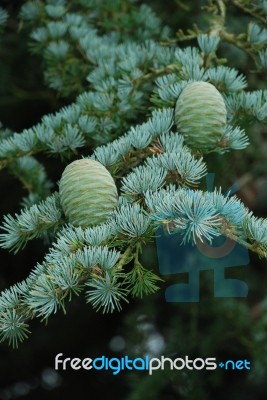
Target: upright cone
{"x": 200, "y": 115}
{"x": 87, "y": 193}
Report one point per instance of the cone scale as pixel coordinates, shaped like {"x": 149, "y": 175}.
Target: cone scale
{"x": 88, "y": 193}
{"x": 200, "y": 115}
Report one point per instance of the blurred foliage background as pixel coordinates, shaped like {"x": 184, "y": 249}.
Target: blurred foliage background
{"x": 222, "y": 328}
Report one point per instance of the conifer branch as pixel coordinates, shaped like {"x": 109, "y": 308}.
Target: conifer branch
{"x": 253, "y": 10}
{"x": 157, "y": 157}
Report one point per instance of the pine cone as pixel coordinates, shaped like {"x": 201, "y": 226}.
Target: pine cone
{"x": 87, "y": 193}
{"x": 200, "y": 115}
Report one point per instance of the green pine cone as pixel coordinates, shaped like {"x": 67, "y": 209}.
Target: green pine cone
{"x": 200, "y": 115}
{"x": 87, "y": 193}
